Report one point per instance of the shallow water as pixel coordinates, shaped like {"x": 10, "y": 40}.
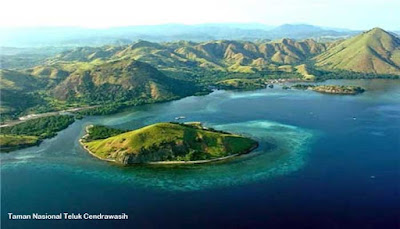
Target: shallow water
{"x": 327, "y": 149}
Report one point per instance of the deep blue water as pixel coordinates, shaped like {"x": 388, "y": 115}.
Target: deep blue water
{"x": 336, "y": 165}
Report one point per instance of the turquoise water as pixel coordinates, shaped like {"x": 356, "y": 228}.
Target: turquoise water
{"x": 327, "y": 148}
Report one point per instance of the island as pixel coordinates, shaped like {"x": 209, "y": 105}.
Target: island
{"x": 331, "y": 89}
{"x": 165, "y": 143}
{"x": 241, "y": 84}
{"x": 248, "y": 84}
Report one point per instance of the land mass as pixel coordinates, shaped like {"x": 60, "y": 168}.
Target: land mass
{"x": 10, "y": 142}
{"x": 166, "y": 143}
{"x": 241, "y": 84}
{"x": 374, "y": 51}
{"x": 113, "y": 77}
{"x": 110, "y": 78}
{"x": 32, "y": 132}
{"x": 331, "y": 89}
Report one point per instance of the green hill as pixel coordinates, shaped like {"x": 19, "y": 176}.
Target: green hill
{"x": 62, "y": 84}
{"x": 50, "y": 72}
{"x": 375, "y": 51}
{"x": 169, "y": 142}
{"x": 120, "y": 80}
{"x": 17, "y": 91}
{"x": 17, "y": 80}
{"x": 221, "y": 55}
{"x": 86, "y": 53}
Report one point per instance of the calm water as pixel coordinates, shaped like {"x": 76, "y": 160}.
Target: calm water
{"x": 336, "y": 164}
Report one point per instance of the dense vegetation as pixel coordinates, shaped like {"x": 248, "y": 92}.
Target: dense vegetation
{"x": 44, "y": 127}
{"x": 110, "y": 108}
{"x": 339, "y": 89}
{"x": 331, "y": 89}
{"x": 345, "y": 74}
{"x": 102, "y": 132}
{"x": 244, "y": 84}
{"x": 169, "y": 142}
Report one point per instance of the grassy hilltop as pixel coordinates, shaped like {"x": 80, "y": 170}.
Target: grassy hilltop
{"x": 169, "y": 142}
{"x": 375, "y": 51}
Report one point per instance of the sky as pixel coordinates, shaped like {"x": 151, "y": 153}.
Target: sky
{"x": 351, "y": 14}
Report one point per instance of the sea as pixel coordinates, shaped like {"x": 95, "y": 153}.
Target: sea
{"x": 335, "y": 164}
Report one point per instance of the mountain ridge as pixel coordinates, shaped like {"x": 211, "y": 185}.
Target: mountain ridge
{"x": 147, "y": 72}
{"x": 374, "y": 51}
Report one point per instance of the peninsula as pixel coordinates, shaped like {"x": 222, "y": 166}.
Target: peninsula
{"x": 331, "y": 89}
{"x": 165, "y": 143}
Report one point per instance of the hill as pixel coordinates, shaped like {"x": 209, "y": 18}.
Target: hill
{"x": 120, "y": 80}
{"x": 169, "y": 142}
{"x": 375, "y": 51}
{"x": 220, "y": 55}
{"x": 61, "y": 84}
{"x": 145, "y": 72}
{"x": 17, "y": 91}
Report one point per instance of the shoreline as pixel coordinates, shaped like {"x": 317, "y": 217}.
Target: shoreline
{"x": 163, "y": 162}
{"x": 336, "y": 93}
{"x": 201, "y": 161}
{"x": 41, "y": 115}
{"x": 87, "y": 149}
{"x": 276, "y": 81}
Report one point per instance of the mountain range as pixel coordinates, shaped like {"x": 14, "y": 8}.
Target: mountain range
{"x": 375, "y": 51}
{"x": 143, "y": 71}
{"x": 224, "y": 55}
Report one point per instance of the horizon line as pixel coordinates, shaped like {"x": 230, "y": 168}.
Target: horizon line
{"x": 271, "y": 26}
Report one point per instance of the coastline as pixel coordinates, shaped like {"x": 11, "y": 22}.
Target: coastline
{"x": 335, "y": 93}
{"x": 87, "y": 149}
{"x": 41, "y": 115}
{"x": 164, "y": 162}
{"x": 34, "y": 116}
{"x": 202, "y": 161}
